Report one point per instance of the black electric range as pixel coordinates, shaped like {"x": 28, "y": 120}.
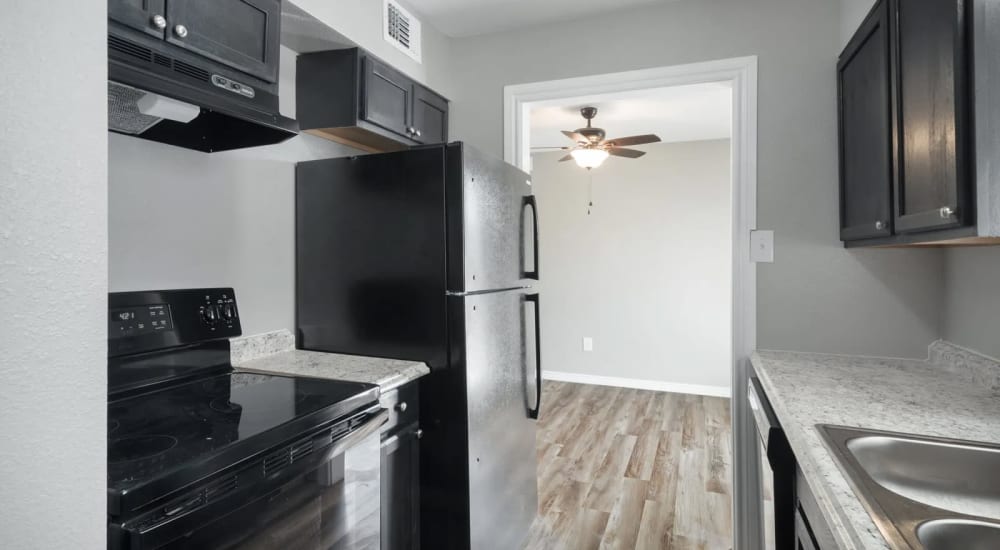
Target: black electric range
{"x": 189, "y": 439}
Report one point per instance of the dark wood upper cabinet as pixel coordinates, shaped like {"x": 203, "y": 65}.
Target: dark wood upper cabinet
{"x": 386, "y": 97}
{"x": 918, "y": 125}
{"x": 865, "y": 139}
{"x": 354, "y": 98}
{"x": 430, "y": 116}
{"x": 242, "y": 34}
{"x": 140, "y": 15}
{"x": 931, "y": 93}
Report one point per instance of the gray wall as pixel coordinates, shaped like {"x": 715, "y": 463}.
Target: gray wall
{"x": 181, "y": 219}
{"x": 817, "y": 296}
{"x": 852, "y": 13}
{"x": 972, "y": 301}
{"x": 53, "y": 275}
{"x": 647, "y": 274}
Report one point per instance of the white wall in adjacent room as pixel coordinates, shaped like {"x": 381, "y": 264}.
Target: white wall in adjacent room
{"x": 53, "y": 274}
{"x": 647, "y": 274}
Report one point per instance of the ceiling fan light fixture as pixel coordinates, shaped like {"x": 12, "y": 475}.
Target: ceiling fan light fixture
{"x": 589, "y": 158}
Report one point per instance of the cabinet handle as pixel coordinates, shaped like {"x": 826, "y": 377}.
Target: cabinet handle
{"x": 880, "y": 225}
{"x": 180, "y": 30}
{"x": 159, "y": 21}
{"x": 419, "y": 433}
{"x": 401, "y": 406}
{"x": 946, "y": 211}
{"x": 418, "y": 133}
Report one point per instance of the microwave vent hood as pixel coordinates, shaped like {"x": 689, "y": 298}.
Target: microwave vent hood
{"x": 159, "y": 93}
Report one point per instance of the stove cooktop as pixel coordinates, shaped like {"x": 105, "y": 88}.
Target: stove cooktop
{"x": 162, "y": 440}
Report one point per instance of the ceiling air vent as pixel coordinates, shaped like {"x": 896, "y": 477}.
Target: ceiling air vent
{"x": 401, "y": 29}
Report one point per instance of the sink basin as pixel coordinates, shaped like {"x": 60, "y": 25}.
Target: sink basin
{"x": 948, "y": 534}
{"x": 923, "y": 492}
{"x": 960, "y": 478}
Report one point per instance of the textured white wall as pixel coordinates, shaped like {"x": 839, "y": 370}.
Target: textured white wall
{"x": 53, "y": 274}
{"x": 648, "y": 274}
{"x": 816, "y": 296}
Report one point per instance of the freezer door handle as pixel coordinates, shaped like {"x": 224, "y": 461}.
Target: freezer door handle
{"x": 533, "y": 413}
{"x": 529, "y": 201}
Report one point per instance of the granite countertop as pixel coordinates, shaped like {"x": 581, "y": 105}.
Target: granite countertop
{"x": 275, "y": 353}
{"x": 953, "y": 394}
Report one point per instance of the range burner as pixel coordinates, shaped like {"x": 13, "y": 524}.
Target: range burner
{"x": 140, "y": 447}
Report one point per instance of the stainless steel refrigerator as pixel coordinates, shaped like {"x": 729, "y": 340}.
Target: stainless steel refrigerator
{"x": 430, "y": 254}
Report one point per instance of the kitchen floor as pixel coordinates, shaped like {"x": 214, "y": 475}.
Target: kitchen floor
{"x": 625, "y": 468}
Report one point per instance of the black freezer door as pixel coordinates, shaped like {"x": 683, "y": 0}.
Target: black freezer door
{"x": 381, "y": 239}
{"x": 479, "y": 487}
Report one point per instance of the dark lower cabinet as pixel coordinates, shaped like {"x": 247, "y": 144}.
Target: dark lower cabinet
{"x": 400, "y": 499}
{"x": 401, "y": 490}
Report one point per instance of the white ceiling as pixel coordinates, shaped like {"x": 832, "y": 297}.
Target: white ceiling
{"x": 678, "y": 113}
{"x": 472, "y": 17}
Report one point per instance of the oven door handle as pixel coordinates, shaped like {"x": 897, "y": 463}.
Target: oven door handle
{"x": 358, "y": 434}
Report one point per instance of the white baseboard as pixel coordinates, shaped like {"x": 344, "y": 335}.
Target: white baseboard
{"x": 655, "y": 385}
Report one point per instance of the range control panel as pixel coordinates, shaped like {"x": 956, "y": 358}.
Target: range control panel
{"x": 219, "y": 311}
{"x": 159, "y": 319}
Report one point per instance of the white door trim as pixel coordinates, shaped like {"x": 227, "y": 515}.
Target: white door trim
{"x": 742, "y": 73}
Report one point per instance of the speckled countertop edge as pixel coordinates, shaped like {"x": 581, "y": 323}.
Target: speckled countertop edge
{"x": 275, "y": 353}
{"x": 910, "y": 396}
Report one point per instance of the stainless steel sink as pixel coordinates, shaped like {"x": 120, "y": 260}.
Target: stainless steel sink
{"x": 923, "y": 492}
{"x": 959, "y": 533}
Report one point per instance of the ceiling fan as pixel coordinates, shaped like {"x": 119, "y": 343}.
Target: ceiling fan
{"x": 591, "y": 148}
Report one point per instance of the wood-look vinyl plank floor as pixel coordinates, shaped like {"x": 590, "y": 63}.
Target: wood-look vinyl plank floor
{"x": 623, "y": 468}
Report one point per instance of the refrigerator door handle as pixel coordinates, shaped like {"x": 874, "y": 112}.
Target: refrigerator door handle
{"x": 533, "y": 413}
{"x": 529, "y": 201}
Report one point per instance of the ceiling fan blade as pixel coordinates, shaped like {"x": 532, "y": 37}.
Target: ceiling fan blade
{"x": 633, "y": 140}
{"x": 540, "y": 148}
{"x": 627, "y": 153}
{"x": 576, "y": 136}
{"x": 567, "y": 157}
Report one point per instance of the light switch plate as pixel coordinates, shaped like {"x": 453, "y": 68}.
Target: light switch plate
{"x": 588, "y": 343}
{"x": 762, "y": 246}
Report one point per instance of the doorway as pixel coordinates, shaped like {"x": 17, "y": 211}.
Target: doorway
{"x": 741, "y": 75}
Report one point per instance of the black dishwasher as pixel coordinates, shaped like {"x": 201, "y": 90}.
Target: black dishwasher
{"x": 777, "y": 472}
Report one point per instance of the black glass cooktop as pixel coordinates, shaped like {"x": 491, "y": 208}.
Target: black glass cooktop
{"x": 164, "y": 433}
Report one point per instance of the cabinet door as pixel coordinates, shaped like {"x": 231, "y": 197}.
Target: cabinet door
{"x": 386, "y": 97}
{"x": 430, "y": 116}
{"x": 137, "y": 14}
{"x": 400, "y": 500}
{"x": 865, "y": 131}
{"x": 932, "y": 173}
{"x": 242, "y": 34}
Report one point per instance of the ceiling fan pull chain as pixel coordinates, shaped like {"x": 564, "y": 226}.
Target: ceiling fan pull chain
{"x": 590, "y": 192}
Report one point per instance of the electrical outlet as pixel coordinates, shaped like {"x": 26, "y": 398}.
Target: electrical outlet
{"x": 588, "y": 343}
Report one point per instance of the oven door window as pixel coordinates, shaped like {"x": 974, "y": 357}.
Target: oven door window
{"x": 335, "y": 506}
